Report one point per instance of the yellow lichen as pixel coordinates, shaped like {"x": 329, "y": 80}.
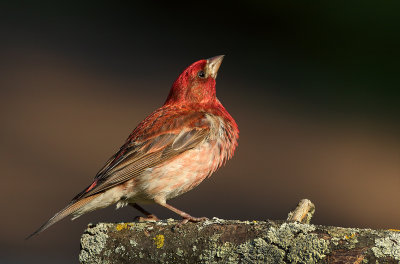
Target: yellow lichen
{"x": 394, "y": 230}
{"x": 351, "y": 236}
{"x": 122, "y": 226}
{"x": 159, "y": 241}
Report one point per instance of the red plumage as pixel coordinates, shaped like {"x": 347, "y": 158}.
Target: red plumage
{"x": 169, "y": 153}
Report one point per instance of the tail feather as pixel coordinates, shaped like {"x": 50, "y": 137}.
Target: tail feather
{"x": 68, "y": 210}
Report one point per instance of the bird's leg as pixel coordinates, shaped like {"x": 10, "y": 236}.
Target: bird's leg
{"x": 149, "y": 216}
{"x": 186, "y": 217}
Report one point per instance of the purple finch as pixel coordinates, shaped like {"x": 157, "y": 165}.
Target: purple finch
{"x": 169, "y": 153}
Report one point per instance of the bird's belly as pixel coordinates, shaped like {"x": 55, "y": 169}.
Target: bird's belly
{"x": 179, "y": 175}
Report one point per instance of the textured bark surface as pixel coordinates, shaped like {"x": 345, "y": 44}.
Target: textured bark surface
{"x": 231, "y": 241}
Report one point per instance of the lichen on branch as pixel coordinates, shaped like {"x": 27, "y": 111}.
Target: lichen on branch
{"x": 233, "y": 241}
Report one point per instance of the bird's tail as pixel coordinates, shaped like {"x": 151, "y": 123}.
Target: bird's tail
{"x": 73, "y": 207}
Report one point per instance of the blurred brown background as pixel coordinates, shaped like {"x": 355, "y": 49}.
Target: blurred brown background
{"x": 314, "y": 89}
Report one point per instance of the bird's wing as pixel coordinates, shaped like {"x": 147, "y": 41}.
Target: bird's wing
{"x": 153, "y": 142}
{"x": 160, "y": 137}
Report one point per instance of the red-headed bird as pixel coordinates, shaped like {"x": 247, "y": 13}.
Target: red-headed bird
{"x": 169, "y": 153}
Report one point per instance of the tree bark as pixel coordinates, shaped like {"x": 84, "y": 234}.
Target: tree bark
{"x": 232, "y": 241}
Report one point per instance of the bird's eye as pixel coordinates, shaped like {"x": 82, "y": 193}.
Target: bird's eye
{"x": 201, "y": 74}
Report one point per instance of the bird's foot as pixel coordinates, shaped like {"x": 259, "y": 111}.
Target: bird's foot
{"x": 191, "y": 219}
{"x": 194, "y": 219}
{"x": 148, "y": 218}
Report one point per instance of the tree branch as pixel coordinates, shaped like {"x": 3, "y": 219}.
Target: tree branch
{"x": 232, "y": 241}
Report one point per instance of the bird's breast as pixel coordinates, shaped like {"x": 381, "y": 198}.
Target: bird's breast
{"x": 190, "y": 168}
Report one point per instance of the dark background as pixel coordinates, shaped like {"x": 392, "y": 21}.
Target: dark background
{"x": 313, "y": 87}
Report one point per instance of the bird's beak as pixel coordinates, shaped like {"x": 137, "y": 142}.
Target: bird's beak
{"x": 213, "y": 65}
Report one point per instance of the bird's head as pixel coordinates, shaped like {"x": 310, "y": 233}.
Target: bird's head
{"x": 196, "y": 84}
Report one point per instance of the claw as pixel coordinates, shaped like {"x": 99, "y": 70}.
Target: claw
{"x": 195, "y": 219}
{"x": 190, "y": 219}
{"x": 149, "y": 218}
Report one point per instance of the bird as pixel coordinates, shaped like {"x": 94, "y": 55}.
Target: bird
{"x": 169, "y": 153}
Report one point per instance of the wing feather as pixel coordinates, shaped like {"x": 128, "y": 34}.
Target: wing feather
{"x": 151, "y": 150}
